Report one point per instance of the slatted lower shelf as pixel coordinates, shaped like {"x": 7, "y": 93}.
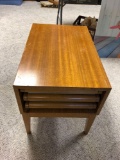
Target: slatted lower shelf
{"x": 60, "y": 101}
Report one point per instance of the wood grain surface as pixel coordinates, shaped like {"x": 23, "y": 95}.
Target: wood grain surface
{"x": 60, "y": 56}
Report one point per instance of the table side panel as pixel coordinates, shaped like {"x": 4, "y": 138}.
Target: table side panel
{"x": 103, "y": 99}
{"x": 19, "y": 99}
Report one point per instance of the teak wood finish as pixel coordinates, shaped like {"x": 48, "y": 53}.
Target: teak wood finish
{"x": 60, "y": 75}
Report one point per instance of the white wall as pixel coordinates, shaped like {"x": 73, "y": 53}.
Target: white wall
{"x": 109, "y": 16}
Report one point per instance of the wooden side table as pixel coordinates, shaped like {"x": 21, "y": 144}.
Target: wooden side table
{"x": 60, "y": 75}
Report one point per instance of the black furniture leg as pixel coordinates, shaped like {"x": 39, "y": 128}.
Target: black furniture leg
{"x": 59, "y": 13}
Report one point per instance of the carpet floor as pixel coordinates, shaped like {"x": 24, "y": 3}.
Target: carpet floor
{"x": 51, "y": 138}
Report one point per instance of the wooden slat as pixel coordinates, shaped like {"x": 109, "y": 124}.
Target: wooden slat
{"x": 60, "y": 98}
{"x": 60, "y": 90}
{"x": 37, "y": 105}
{"x": 80, "y": 113}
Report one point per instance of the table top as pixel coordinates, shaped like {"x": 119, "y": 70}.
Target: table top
{"x": 60, "y": 56}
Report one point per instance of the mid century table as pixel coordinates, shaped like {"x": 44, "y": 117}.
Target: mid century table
{"x": 60, "y": 75}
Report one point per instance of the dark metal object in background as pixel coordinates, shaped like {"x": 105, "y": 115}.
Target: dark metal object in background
{"x": 63, "y": 2}
{"x": 82, "y": 1}
{"x": 59, "y": 13}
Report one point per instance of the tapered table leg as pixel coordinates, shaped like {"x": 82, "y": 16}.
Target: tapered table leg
{"x": 89, "y": 123}
{"x": 26, "y": 119}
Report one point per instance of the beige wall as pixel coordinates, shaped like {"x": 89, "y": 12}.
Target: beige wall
{"x": 109, "y": 16}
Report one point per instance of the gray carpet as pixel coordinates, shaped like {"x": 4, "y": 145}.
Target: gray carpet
{"x": 55, "y": 138}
